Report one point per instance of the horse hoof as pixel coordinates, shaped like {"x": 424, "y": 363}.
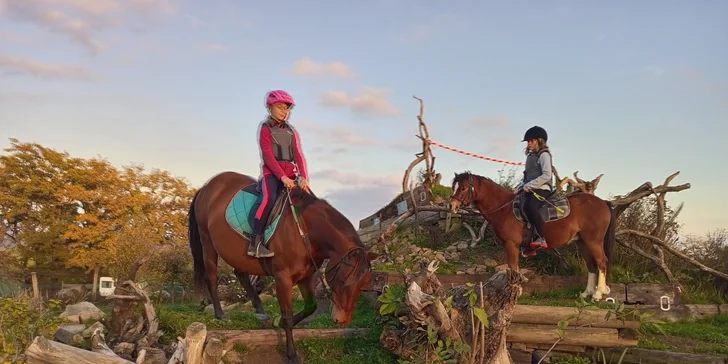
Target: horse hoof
{"x": 596, "y": 297}
{"x": 295, "y": 360}
{"x": 262, "y": 317}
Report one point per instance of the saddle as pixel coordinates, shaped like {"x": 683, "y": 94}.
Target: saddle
{"x": 237, "y": 212}
{"x": 556, "y": 207}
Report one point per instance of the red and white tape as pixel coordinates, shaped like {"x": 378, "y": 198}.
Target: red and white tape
{"x": 475, "y": 155}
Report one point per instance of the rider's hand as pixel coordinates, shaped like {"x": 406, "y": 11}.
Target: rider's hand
{"x": 526, "y": 189}
{"x": 288, "y": 182}
{"x": 304, "y": 185}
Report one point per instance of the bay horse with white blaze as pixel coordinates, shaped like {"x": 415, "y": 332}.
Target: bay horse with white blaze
{"x": 302, "y": 241}
{"x": 582, "y": 217}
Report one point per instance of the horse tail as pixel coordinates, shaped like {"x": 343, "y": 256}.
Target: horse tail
{"x": 193, "y": 232}
{"x": 609, "y": 237}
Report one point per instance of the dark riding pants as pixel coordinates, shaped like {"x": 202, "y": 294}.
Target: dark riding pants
{"x": 268, "y": 187}
{"x": 532, "y": 209}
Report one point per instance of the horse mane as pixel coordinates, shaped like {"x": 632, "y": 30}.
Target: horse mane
{"x": 334, "y": 216}
{"x": 460, "y": 177}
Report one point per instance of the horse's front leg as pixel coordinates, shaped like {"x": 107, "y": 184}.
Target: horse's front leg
{"x": 284, "y": 291}
{"x": 308, "y": 289}
{"x": 511, "y": 247}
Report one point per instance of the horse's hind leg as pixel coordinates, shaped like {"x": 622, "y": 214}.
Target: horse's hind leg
{"x": 211, "y": 267}
{"x": 591, "y": 266}
{"x": 600, "y": 259}
{"x": 244, "y": 279}
{"x": 308, "y": 289}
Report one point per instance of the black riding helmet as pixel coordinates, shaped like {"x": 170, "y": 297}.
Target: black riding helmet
{"x": 535, "y": 132}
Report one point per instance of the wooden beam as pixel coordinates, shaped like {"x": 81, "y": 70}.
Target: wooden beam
{"x": 547, "y": 315}
{"x": 278, "y": 336}
{"x": 583, "y": 336}
{"x": 647, "y": 356}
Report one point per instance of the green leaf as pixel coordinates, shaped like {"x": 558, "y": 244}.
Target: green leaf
{"x": 563, "y": 325}
{"x": 473, "y": 298}
{"x": 387, "y": 308}
{"x": 482, "y": 316}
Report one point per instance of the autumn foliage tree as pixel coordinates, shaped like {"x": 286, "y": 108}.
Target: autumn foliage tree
{"x": 59, "y": 212}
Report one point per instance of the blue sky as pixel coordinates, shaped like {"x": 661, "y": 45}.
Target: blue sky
{"x": 634, "y": 90}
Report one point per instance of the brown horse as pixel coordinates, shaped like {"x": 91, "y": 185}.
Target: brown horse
{"x": 581, "y": 217}
{"x": 300, "y": 247}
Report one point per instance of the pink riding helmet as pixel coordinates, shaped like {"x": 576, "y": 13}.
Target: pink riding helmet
{"x": 277, "y": 96}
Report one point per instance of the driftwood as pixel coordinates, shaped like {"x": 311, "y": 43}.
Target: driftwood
{"x": 139, "y": 331}
{"x": 454, "y": 318}
{"x": 431, "y": 178}
{"x": 44, "y": 351}
{"x": 578, "y": 183}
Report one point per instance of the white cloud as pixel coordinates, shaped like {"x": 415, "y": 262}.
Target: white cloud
{"x": 334, "y": 134}
{"x": 82, "y": 20}
{"x": 15, "y": 65}
{"x": 655, "y": 71}
{"x": 307, "y": 67}
{"x": 368, "y": 101}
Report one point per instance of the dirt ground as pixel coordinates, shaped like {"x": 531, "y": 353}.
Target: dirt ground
{"x": 257, "y": 355}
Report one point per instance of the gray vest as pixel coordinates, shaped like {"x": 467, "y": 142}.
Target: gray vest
{"x": 282, "y": 142}
{"x": 533, "y": 169}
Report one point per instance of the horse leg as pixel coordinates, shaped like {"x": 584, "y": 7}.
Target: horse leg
{"x": 284, "y": 292}
{"x": 211, "y": 256}
{"x": 244, "y": 279}
{"x": 308, "y": 289}
{"x": 511, "y": 247}
{"x": 597, "y": 252}
{"x": 591, "y": 266}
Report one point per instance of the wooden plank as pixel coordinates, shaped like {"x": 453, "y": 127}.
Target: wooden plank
{"x": 584, "y": 336}
{"x": 547, "y": 315}
{"x": 520, "y": 356}
{"x": 278, "y": 336}
{"x": 649, "y": 294}
{"x": 647, "y": 356}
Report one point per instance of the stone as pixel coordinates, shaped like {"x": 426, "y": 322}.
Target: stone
{"x": 70, "y": 334}
{"x": 78, "y": 308}
{"x": 452, "y": 249}
{"x": 490, "y": 263}
{"x": 124, "y": 349}
{"x": 88, "y": 332}
{"x": 440, "y": 257}
{"x": 470, "y": 271}
{"x": 462, "y": 246}
{"x": 86, "y": 316}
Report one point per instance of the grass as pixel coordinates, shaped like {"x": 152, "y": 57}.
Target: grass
{"x": 705, "y": 335}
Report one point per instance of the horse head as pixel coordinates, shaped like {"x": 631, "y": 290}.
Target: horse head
{"x": 463, "y": 191}
{"x": 334, "y": 237}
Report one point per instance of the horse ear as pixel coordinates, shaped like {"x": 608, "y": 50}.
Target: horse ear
{"x": 372, "y": 256}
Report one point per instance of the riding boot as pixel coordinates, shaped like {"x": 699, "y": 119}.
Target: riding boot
{"x": 539, "y": 243}
{"x": 257, "y": 249}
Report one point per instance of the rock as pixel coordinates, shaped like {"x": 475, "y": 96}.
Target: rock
{"x": 70, "y": 334}
{"x": 490, "y": 263}
{"x": 124, "y": 349}
{"x": 77, "y": 309}
{"x": 459, "y": 272}
{"x": 399, "y": 259}
{"x": 87, "y": 333}
{"x": 501, "y": 268}
{"x": 72, "y": 319}
{"x": 470, "y": 271}
{"x": 455, "y": 256}
{"x": 451, "y": 249}
{"x": 154, "y": 356}
{"x": 441, "y": 257}
{"x": 480, "y": 269}
{"x": 85, "y": 316}
{"x": 266, "y": 297}
{"x": 462, "y": 246}
{"x": 416, "y": 249}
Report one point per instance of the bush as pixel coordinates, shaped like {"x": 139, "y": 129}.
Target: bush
{"x": 21, "y": 322}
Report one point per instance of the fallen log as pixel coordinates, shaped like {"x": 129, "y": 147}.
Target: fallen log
{"x": 547, "y": 315}
{"x": 575, "y": 336}
{"x": 278, "y": 336}
{"x": 198, "y": 347}
{"x": 44, "y": 351}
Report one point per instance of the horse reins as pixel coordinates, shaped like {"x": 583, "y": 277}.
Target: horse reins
{"x": 344, "y": 259}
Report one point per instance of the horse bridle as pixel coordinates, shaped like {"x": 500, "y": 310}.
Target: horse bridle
{"x": 471, "y": 195}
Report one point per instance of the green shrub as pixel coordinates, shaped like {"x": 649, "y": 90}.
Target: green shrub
{"x": 21, "y": 322}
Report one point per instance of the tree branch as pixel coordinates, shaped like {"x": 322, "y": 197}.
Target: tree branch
{"x": 674, "y": 251}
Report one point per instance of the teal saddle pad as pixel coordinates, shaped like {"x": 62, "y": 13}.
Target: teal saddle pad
{"x": 238, "y": 211}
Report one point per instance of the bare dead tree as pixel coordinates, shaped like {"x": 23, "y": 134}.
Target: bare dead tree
{"x": 580, "y": 184}
{"x": 426, "y": 155}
